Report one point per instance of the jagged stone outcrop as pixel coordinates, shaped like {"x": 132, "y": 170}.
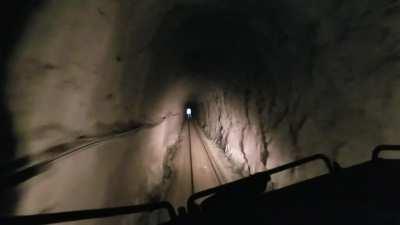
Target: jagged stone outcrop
{"x": 329, "y": 87}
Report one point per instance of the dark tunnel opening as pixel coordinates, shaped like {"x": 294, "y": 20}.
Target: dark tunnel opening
{"x": 266, "y": 83}
{"x": 191, "y": 110}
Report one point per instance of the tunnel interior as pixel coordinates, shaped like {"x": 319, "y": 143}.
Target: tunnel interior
{"x": 211, "y": 40}
{"x": 191, "y": 107}
{"x": 224, "y": 39}
{"x": 107, "y": 83}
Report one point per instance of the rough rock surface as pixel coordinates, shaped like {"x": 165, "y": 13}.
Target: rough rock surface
{"x": 329, "y": 86}
{"x": 272, "y": 82}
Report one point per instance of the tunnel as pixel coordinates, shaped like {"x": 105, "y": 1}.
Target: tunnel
{"x": 95, "y": 94}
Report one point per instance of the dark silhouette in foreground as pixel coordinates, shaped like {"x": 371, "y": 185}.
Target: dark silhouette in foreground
{"x": 17, "y": 13}
{"x": 363, "y": 194}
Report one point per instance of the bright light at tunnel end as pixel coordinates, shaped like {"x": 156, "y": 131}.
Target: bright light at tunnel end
{"x": 188, "y": 113}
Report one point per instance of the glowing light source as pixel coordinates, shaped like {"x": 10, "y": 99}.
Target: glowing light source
{"x": 189, "y": 112}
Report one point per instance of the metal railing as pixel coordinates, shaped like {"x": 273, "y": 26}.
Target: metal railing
{"x": 86, "y": 214}
{"x": 383, "y": 148}
{"x": 257, "y": 179}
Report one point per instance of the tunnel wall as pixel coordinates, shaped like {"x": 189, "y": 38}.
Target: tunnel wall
{"x": 76, "y": 52}
{"x": 324, "y": 81}
{"x": 330, "y": 87}
{"x": 80, "y": 73}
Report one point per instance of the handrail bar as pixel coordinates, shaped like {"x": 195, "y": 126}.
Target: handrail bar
{"x": 381, "y": 148}
{"x": 191, "y": 204}
{"x": 50, "y": 218}
{"x": 322, "y": 157}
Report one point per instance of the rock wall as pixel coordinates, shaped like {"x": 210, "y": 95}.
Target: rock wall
{"x": 272, "y": 82}
{"x": 329, "y": 85}
{"x": 81, "y": 74}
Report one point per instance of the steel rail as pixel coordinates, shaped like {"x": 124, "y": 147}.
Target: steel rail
{"x": 190, "y": 160}
{"x": 210, "y": 158}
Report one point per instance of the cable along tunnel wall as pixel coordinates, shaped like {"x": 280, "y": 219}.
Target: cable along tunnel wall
{"x": 317, "y": 78}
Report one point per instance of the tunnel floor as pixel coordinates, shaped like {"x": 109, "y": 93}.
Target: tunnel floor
{"x": 198, "y": 165}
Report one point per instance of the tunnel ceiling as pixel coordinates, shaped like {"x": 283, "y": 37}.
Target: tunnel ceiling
{"x": 209, "y": 37}
{"x": 232, "y": 40}
{"x": 269, "y": 82}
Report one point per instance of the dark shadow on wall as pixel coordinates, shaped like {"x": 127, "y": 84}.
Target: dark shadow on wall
{"x": 15, "y": 16}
